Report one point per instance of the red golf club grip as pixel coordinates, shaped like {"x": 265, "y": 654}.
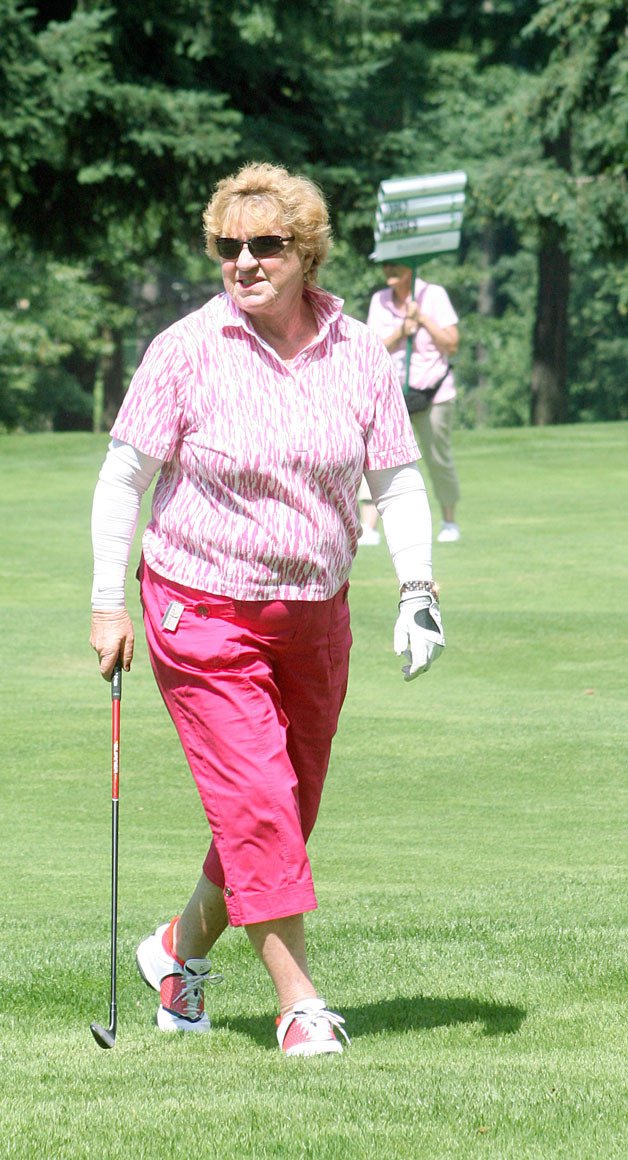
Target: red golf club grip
{"x": 116, "y": 694}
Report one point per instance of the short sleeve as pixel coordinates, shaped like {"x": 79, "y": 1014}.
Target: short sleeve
{"x": 150, "y": 416}
{"x": 437, "y": 305}
{"x": 390, "y": 440}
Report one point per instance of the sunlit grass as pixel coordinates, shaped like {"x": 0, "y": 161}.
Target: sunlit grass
{"x": 469, "y": 857}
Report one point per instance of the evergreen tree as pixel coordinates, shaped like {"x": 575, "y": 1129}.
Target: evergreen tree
{"x": 118, "y": 118}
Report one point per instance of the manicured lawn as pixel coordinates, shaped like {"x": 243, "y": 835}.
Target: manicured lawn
{"x": 470, "y": 857}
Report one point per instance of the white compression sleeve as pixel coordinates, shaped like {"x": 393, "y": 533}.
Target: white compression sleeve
{"x": 124, "y": 477}
{"x": 401, "y": 500}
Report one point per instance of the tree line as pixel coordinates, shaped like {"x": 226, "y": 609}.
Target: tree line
{"x": 117, "y": 119}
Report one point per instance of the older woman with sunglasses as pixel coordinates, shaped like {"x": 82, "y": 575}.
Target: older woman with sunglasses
{"x": 260, "y": 411}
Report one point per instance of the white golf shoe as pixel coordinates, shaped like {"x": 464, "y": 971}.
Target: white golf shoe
{"x": 449, "y": 534}
{"x": 308, "y": 1029}
{"x": 369, "y": 538}
{"x": 180, "y": 986}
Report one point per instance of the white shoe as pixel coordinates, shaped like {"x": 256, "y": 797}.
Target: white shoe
{"x": 449, "y": 533}
{"x": 153, "y": 960}
{"x": 308, "y": 1029}
{"x": 182, "y": 1006}
{"x": 180, "y": 987}
{"x": 369, "y": 537}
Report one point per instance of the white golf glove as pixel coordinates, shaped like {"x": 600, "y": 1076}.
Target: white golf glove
{"x": 418, "y": 634}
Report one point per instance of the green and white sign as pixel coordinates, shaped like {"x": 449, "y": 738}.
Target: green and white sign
{"x": 417, "y": 217}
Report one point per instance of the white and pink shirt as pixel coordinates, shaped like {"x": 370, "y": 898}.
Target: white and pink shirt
{"x": 427, "y": 364}
{"x": 257, "y": 498}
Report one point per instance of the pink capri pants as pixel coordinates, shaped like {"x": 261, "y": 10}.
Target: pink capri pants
{"x": 254, "y": 689}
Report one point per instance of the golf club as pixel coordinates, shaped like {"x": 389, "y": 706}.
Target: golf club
{"x": 106, "y": 1036}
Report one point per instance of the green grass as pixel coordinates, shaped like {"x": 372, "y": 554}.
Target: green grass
{"x": 469, "y": 858}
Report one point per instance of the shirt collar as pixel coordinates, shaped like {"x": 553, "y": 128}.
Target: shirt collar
{"x": 418, "y": 286}
{"x": 327, "y": 310}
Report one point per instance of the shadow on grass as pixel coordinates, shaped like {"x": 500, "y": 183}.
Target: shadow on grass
{"x": 414, "y": 1013}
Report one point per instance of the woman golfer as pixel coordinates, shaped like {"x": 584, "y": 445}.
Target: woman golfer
{"x": 260, "y": 411}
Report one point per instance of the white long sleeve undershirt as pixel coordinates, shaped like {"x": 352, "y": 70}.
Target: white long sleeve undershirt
{"x": 398, "y": 493}
{"x": 401, "y": 499}
{"x": 124, "y": 477}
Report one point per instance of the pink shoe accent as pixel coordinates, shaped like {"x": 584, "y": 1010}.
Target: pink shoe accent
{"x": 167, "y": 941}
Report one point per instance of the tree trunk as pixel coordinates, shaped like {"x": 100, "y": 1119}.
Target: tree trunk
{"x": 549, "y": 344}
{"x": 486, "y": 307}
{"x": 548, "y": 403}
{"x": 114, "y": 386}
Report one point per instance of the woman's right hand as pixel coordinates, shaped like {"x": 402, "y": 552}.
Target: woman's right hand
{"x": 410, "y": 324}
{"x": 112, "y": 637}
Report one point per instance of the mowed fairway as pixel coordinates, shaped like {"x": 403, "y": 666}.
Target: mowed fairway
{"x": 470, "y": 857}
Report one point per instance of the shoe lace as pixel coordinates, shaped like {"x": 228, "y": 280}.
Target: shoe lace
{"x": 314, "y": 1022}
{"x": 191, "y": 992}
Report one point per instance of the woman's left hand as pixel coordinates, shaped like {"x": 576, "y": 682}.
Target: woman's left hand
{"x": 112, "y": 637}
{"x": 418, "y": 634}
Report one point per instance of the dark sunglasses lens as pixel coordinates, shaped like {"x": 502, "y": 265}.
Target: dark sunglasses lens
{"x": 265, "y": 246}
{"x": 228, "y": 247}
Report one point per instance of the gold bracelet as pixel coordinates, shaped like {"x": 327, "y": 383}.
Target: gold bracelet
{"x": 421, "y": 586}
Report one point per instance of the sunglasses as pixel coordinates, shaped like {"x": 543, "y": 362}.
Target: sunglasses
{"x": 265, "y": 246}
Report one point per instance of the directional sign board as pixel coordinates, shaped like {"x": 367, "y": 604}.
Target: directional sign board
{"x": 417, "y": 217}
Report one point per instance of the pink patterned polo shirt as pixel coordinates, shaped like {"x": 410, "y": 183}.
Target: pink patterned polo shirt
{"x": 257, "y": 498}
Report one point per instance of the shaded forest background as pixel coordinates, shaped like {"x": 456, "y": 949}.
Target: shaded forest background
{"x": 118, "y": 118}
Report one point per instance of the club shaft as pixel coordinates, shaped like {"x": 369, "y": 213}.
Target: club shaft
{"x": 114, "y": 909}
{"x": 116, "y": 696}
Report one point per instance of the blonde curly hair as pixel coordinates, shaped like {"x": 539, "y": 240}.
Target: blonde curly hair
{"x": 273, "y": 199}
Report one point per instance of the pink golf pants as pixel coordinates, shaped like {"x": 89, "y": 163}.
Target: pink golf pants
{"x": 254, "y": 689}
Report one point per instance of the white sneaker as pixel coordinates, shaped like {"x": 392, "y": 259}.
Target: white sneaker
{"x": 182, "y": 1006}
{"x": 180, "y": 987}
{"x": 449, "y": 533}
{"x": 308, "y": 1029}
{"x": 153, "y": 960}
{"x": 369, "y": 537}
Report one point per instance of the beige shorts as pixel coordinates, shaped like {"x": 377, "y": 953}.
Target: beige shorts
{"x": 364, "y": 493}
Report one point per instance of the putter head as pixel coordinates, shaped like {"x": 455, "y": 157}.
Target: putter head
{"x": 104, "y": 1036}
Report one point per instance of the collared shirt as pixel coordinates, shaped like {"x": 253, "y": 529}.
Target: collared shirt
{"x": 257, "y": 499}
{"x": 427, "y": 364}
